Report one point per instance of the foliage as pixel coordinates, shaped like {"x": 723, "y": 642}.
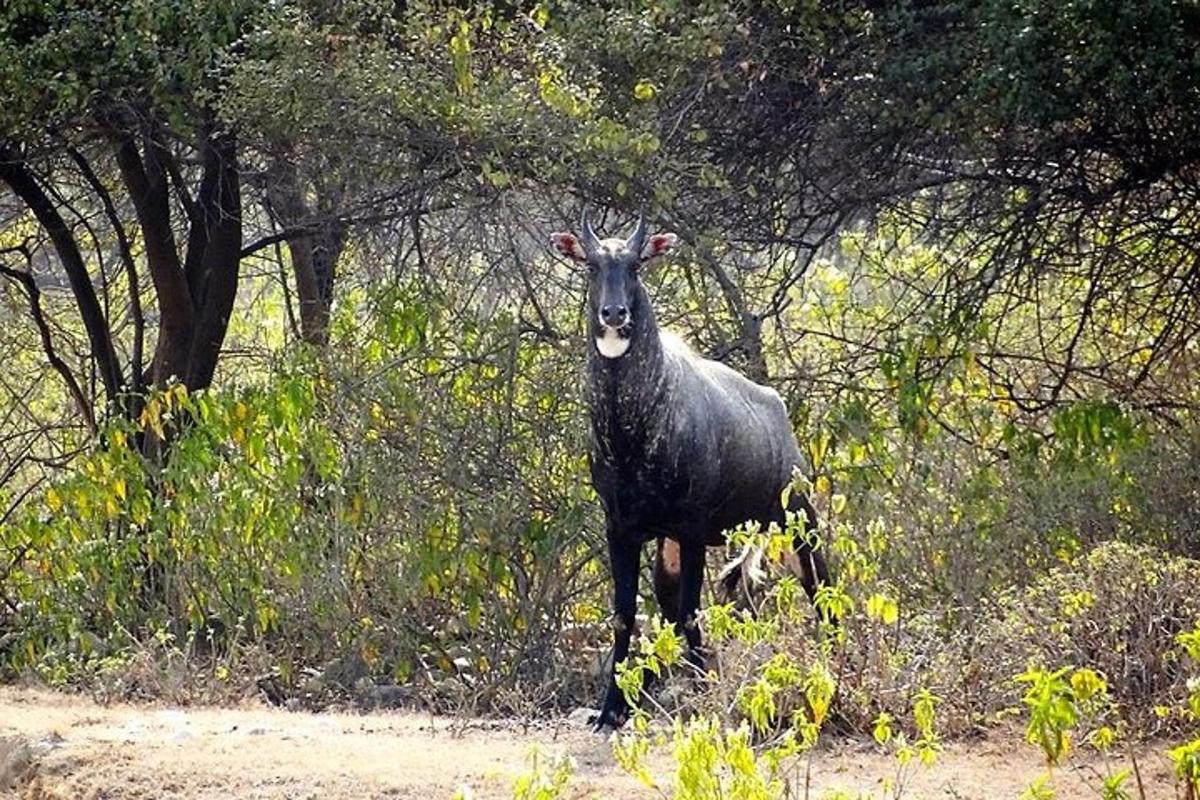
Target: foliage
{"x": 547, "y": 779}
{"x": 64, "y": 60}
{"x": 1056, "y": 703}
{"x": 769, "y": 753}
{"x": 1186, "y": 756}
{"x": 958, "y": 238}
{"x": 269, "y": 524}
{"x": 1060, "y": 707}
{"x": 544, "y": 781}
{"x": 1117, "y": 611}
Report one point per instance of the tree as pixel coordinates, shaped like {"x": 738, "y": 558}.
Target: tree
{"x": 1028, "y": 141}
{"x": 112, "y": 131}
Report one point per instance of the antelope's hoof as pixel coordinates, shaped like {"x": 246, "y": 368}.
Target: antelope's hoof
{"x": 607, "y": 721}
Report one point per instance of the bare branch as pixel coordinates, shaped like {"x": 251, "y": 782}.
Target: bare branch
{"x": 34, "y": 296}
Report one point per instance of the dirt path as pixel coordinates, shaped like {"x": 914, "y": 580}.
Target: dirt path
{"x": 78, "y": 749}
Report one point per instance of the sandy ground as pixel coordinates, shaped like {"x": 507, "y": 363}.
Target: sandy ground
{"x": 69, "y": 747}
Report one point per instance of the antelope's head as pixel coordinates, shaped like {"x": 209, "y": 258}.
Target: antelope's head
{"x": 614, "y": 283}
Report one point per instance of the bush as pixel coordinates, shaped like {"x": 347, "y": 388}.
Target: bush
{"x": 383, "y": 516}
{"x": 1117, "y": 609}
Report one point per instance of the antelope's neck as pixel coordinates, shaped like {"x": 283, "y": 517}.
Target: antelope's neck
{"x": 627, "y": 394}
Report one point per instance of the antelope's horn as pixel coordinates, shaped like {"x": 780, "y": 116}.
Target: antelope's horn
{"x": 588, "y": 236}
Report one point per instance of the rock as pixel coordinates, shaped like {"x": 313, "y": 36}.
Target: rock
{"x": 582, "y": 717}
{"x": 16, "y": 761}
{"x": 386, "y": 696}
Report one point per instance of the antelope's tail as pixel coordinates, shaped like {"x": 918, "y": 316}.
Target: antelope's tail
{"x": 746, "y": 568}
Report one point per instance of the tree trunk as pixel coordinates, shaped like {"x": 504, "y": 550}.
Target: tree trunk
{"x": 314, "y": 250}
{"x": 147, "y": 183}
{"x": 213, "y": 273}
{"x": 196, "y": 295}
{"x": 314, "y": 257}
{"x": 752, "y": 347}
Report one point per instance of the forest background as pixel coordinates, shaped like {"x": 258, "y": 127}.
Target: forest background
{"x": 291, "y": 399}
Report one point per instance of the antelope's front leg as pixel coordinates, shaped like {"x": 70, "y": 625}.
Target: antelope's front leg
{"x": 691, "y": 581}
{"x": 624, "y": 556}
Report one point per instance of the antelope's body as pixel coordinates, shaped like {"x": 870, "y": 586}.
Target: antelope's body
{"x": 680, "y": 442}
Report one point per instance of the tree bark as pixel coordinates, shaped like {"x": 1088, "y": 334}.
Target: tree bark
{"x": 326, "y": 245}
{"x": 212, "y": 273}
{"x": 196, "y": 294}
{"x": 146, "y": 182}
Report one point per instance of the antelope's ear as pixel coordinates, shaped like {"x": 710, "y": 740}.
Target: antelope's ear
{"x": 569, "y": 245}
{"x": 658, "y": 244}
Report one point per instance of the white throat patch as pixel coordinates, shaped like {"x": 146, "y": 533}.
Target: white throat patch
{"x": 611, "y": 345}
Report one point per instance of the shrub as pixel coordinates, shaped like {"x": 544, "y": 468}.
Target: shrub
{"x": 368, "y": 518}
{"x": 1117, "y": 609}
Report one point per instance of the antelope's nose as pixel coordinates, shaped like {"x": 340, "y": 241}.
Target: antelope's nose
{"x": 614, "y": 315}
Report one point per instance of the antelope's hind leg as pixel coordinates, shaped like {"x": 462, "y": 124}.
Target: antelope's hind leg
{"x": 814, "y": 572}
{"x": 666, "y": 580}
{"x": 691, "y": 581}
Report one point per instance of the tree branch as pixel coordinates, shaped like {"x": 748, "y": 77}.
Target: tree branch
{"x": 131, "y": 274}
{"x": 34, "y": 296}
{"x": 147, "y": 185}
{"x": 15, "y": 172}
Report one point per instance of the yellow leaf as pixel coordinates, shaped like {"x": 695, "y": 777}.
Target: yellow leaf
{"x": 1087, "y": 684}
{"x": 820, "y": 706}
{"x": 817, "y": 449}
{"x": 883, "y": 609}
{"x": 883, "y": 728}
{"x": 644, "y": 90}
{"x": 1102, "y": 738}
